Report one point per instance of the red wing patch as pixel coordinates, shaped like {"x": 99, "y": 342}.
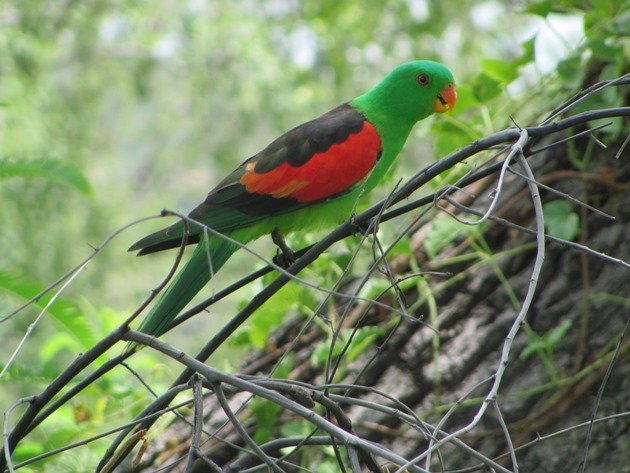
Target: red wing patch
{"x": 325, "y": 174}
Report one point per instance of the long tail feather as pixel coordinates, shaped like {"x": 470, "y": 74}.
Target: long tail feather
{"x": 186, "y": 284}
{"x": 166, "y": 238}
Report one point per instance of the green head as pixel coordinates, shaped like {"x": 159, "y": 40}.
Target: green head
{"x": 409, "y": 93}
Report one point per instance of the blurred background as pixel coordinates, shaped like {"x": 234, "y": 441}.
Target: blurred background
{"x": 112, "y": 110}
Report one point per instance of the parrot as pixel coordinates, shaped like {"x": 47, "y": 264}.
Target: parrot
{"x": 309, "y": 178}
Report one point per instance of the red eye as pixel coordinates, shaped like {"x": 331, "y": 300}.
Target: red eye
{"x": 423, "y": 79}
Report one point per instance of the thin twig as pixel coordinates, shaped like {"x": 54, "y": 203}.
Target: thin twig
{"x": 197, "y": 425}
{"x": 566, "y": 196}
{"x": 5, "y": 430}
{"x": 218, "y": 390}
{"x": 456, "y": 405}
{"x": 622, "y": 147}
{"x": 583, "y": 94}
{"x": 495, "y": 196}
{"x": 588, "y": 132}
{"x": 34, "y": 324}
{"x": 83, "y": 442}
{"x": 506, "y": 434}
{"x": 600, "y": 393}
{"x": 244, "y": 461}
{"x": 330, "y": 371}
{"x": 66, "y": 275}
{"x": 561, "y": 241}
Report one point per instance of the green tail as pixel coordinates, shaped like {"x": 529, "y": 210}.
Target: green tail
{"x": 186, "y": 284}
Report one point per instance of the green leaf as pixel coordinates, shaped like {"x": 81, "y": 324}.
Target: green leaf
{"x": 296, "y": 428}
{"x": 534, "y": 345}
{"x": 540, "y": 8}
{"x": 465, "y": 99}
{"x": 241, "y": 338}
{"x": 266, "y": 415}
{"x": 529, "y": 52}
{"x": 547, "y": 342}
{"x": 554, "y": 336}
{"x": 375, "y": 287}
{"x": 501, "y": 71}
{"x": 560, "y": 220}
{"x": 485, "y": 87}
{"x": 363, "y": 339}
{"x": 620, "y": 25}
{"x": 447, "y": 142}
{"x": 320, "y": 353}
{"x": 47, "y": 168}
{"x": 603, "y": 50}
{"x": 444, "y": 229}
{"x": 26, "y": 450}
{"x": 571, "y": 70}
{"x": 55, "y": 345}
{"x": 61, "y": 427}
{"x": 327, "y": 467}
{"x": 272, "y": 313}
{"x": 452, "y": 134}
{"x": 30, "y": 373}
{"x": 402, "y": 247}
{"x": 63, "y": 310}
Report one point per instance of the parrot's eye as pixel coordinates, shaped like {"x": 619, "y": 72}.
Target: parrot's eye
{"x": 423, "y": 79}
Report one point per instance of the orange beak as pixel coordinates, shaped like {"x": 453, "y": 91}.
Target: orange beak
{"x": 445, "y": 100}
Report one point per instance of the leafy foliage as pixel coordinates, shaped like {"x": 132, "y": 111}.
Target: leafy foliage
{"x": 64, "y": 311}
{"x": 560, "y": 220}
{"x": 144, "y": 105}
{"x": 51, "y": 169}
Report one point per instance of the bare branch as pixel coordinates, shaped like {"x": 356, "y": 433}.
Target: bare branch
{"x": 600, "y": 393}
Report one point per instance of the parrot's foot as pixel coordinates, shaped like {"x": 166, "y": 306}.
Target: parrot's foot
{"x": 365, "y": 228}
{"x": 286, "y": 257}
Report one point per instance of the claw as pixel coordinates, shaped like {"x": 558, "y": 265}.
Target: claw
{"x": 285, "y": 257}
{"x": 365, "y": 228}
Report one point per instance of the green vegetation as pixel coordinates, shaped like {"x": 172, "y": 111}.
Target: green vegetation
{"x": 111, "y": 111}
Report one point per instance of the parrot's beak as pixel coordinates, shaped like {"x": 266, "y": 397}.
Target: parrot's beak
{"x": 445, "y": 100}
